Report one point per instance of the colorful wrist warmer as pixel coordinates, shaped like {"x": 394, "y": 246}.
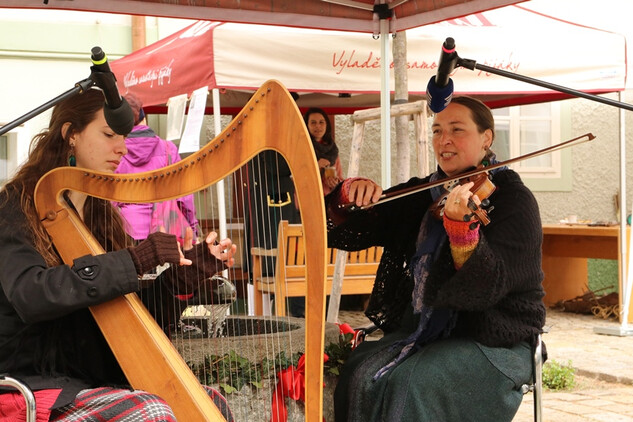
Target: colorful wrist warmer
{"x": 463, "y": 240}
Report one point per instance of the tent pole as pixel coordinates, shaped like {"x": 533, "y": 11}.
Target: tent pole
{"x": 626, "y": 277}
{"x": 385, "y": 107}
{"x": 625, "y": 273}
{"x": 220, "y": 185}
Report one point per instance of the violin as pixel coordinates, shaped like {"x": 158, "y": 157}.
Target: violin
{"x": 483, "y": 186}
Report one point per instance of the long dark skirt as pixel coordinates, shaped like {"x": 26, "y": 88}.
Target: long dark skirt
{"x": 454, "y": 379}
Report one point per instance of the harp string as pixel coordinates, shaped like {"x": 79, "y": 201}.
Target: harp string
{"x": 188, "y": 332}
{"x": 187, "y": 336}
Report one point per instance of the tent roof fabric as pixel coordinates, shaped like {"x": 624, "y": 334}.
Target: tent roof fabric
{"x": 347, "y": 15}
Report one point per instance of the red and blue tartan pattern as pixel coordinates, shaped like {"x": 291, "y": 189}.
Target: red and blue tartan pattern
{"x": 120, "y": 405}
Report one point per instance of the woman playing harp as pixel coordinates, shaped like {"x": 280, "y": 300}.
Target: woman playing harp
{"x": 48, "y": 337}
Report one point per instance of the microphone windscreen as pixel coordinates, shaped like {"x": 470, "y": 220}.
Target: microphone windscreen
{"x": 120, "y": 119}
{"x": 438, "y": 98}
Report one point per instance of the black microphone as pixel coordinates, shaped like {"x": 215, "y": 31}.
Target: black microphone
{"x": 439, "y": 90}
{"x": 118, "y": 112}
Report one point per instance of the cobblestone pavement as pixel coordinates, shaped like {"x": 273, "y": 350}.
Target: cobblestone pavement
{"x": 603, "y": 364}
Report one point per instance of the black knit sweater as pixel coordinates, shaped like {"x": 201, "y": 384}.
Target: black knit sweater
{"x": 497, "y": 292}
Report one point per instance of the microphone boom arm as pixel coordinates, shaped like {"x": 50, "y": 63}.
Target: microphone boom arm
{"x": 80, "y": 87}
{"x": 472, "y": 65}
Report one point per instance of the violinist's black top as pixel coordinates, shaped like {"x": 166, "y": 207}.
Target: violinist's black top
{"x": 497, "y": 292}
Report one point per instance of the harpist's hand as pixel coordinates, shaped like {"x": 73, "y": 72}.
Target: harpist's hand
{"x": 223, "y": 250}
{"x": 158, "y": 249}
{"x": 207, "y": 258}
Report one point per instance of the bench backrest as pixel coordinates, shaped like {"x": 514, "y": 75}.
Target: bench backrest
{"x": 291, "y": 246}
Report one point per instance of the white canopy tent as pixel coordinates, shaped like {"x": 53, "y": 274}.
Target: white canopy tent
{"x": 343, "y": 71}
{"x": 340, "y": 71}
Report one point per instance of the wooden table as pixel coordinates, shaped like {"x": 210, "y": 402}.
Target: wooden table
{"x": 566, "y": 249}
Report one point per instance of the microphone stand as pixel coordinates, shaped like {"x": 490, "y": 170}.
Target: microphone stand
{"x": 80, "y": 88}
{"x": 472, "y": 65}
{"x": 627, "y": 278}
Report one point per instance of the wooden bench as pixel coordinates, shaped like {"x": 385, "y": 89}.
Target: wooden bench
{"x": 289, "y": 279}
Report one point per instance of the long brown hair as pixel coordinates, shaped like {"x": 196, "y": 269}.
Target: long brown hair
{"x": 327, "y": 136}
{"x": 49, "y": 150}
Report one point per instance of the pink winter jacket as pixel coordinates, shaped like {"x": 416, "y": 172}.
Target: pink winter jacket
{"x": 147, "y": 151}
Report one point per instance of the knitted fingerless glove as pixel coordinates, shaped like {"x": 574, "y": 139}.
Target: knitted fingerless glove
{"x": 158, "y": 249}
{"x": 203, "y": 266}
{"x": 463, "y": 240}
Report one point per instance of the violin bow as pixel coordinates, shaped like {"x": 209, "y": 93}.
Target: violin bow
{"x": 415, "y": 189}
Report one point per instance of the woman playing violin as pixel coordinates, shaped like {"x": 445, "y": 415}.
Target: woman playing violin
{"x": 460, "y": 303}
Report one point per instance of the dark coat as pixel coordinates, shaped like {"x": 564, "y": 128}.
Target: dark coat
{"x": 269, "y": 184}
{"x": 497, "y": 292}
{"x": 48, "y": 337}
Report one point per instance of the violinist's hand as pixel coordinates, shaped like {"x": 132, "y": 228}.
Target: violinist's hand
{"x": 223, "y": 250}
{"x": 364, "y": 192}
{"x": 323, "y": 163}
{"x": 456, "y": 206}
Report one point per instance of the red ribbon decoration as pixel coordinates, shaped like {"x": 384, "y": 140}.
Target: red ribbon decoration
{"x": 358, "y": 336}
{"x": 345, "y": 328}
{"x": 291, "y": 384}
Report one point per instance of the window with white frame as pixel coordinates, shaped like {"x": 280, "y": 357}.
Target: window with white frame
{"x": 521, "y": 130}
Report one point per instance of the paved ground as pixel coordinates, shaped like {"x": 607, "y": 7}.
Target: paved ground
{"x": 603, "y": 363}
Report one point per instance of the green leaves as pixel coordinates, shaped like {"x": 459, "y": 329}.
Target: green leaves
{"x": 338, "y": 353}
{"x": 557, "y": 376}
{"x": 232, "y": 372}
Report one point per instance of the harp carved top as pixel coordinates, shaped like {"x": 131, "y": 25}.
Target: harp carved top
{"x": 257, "y": 127}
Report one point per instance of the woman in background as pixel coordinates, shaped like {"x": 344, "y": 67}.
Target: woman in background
{"x": 320, "y": 129}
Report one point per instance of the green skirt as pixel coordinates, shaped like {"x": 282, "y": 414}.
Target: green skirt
{"x": 454, "y": 379}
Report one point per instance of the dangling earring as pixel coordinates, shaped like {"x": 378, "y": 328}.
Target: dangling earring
{"x": 72, "y": 161}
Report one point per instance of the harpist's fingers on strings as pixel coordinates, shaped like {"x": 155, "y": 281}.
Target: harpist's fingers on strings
{"x": 183, "y": 260}
{"x": 188, "y": 241}
{"x": 230, "y": 250}
{"x": 224, "y": 250}
{"x": 211, "y": 237}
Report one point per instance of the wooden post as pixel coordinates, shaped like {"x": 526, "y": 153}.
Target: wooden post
{"x": 418, "y": 110}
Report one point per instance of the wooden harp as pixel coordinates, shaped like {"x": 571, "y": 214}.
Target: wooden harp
{"x": 270, "y": 120}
